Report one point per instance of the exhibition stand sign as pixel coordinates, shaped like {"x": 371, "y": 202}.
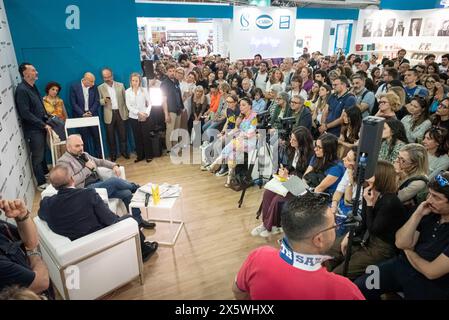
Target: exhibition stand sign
{"x": 268, "y": 31}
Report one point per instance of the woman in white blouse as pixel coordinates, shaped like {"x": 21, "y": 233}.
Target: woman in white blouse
{"x": 139, "y": 106}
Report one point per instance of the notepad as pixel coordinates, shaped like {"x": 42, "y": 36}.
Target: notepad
{"x": 294, "y": 185}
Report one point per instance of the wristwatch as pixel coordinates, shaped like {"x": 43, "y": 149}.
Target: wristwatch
{"x": 34, "y": 252}
{"x": 23, "y": 218}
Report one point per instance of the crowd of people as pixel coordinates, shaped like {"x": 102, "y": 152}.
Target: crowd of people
{"x": 405, "y": 205}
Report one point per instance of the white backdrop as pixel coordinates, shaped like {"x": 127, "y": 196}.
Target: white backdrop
{"x": 268, "y": 31}
{"x": 419, "y": 32}
{"x": 16, "y": 179}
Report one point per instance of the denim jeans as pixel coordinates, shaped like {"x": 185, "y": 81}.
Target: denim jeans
{"x": 36, "y": 141}
{"x": 121, "y": 189}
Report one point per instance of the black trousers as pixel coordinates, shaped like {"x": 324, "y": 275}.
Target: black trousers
{"x": 117, "y": 125}
{"x": 36, "y": 142}
{"x": 142, "y": 138}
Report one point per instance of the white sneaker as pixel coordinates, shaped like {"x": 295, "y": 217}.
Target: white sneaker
{"x": 276, "y": 230}
{"x": 265, "y": 233}
{"x": 42, "y": 187}
{"x": 257, "y": 230}
{"x": 204, "y": 167}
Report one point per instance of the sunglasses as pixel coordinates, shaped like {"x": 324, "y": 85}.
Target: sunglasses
{"x": 442, "y": 181}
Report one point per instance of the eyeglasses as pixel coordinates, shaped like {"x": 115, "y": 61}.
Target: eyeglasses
{"x": 402, "y": 160}
{"x": 383, "y": 102}
{"x": 295, "y": 102}
{"x": 442, "y": 182}
{"x": 316, "y": 146}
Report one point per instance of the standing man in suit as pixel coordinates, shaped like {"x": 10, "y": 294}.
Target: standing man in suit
{"x": 112, "y": 98}
{"x": 85, "y": 102}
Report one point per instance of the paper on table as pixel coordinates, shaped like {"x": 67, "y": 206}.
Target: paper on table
{"x": 165, "y": 190}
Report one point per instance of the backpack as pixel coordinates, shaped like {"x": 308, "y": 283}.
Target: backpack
{"x": 242, "y": 178}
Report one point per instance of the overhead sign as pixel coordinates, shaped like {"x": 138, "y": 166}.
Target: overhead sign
{"x": 268, "y": 31}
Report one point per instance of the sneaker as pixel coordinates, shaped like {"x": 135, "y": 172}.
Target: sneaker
{"x": 205, "y": 167}
{"x": 265, "y": 233}
{"x": 257, "y": 230}
{"x": 223, "y": 171}
{"x": 276, "y": 230}
{"x": 42, "y": 187}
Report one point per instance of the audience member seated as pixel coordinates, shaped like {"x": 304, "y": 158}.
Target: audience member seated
{"x": 325, "y": 170}
{"x": 282, "y": 110}
{"x": 436, "y": 92}
{"x": 417, "y": 122}
{"x": 82, "y": 166}
{"x": 382, "y": 215}
{"x": 301, "y": 113}
{"x": 365, "y": 98}
{"x": 53, "y": 104}
{"x": 389, "y": 103}
{"x": 244, "y": 140}
{"x": 421, "y": 270}
{"x": 75, "y": 213}
{"x": 297, "y": 88}
{"x": 412, "y": 167}
{"x": 320, "y": 107}
{"x": 19, "y": 293}
{"x": 342, "y": 197}
{"x": 20, "y": 259}
{"x": 411, "y": 88}
{"x": 349, "y": 136}
{"x": 299, "y": 153}
{"x": 295, "y": 272}
{"x": 393, "y": 139}
{"x": 259, "y": 104}
{"x": 441, "y": 117}
{"x": 199, "y": 105}
{"x": 437, "y": 146}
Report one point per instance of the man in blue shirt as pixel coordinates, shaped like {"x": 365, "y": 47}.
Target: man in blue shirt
{"x": 340, "y": 100}
{"x": 411, "y": 88}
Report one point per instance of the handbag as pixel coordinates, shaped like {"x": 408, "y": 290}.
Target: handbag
{"x": 58, "y": 126}
{"x": 313, "y": 179}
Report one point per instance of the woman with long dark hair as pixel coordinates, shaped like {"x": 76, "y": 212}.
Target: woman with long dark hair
{"x": 349, "y": 135}
{"x": 393, "y": 139}
{"x": 437, "y": 145}
{"x": 325, "y": 170}
{"x": 441, "y": 118}
{"x": 383, "y": 214}
{"x": 299, "y": 154}
{"x": 417, "y": 121}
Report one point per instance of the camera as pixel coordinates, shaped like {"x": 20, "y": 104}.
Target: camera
{"x": 287, "y": 127}
{"x": 263, "y": 120}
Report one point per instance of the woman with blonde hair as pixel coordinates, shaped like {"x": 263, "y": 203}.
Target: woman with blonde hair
{"x": 276, "y": 77}
{"x": 389, "y": 103}
{"x": 412, "y": 167}
{"x": 139, "y": 106}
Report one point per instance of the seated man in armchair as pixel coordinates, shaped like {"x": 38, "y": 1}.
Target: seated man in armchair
{"x": 82, "y": 166}
{"x": 75, "y": 213}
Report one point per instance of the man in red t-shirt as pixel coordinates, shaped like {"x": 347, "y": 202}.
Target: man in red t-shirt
{"x": 295, "y": 272}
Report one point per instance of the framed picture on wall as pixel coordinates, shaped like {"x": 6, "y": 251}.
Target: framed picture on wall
{"x": 443, "y": 31}
{"x": 378, "y": 30}
{"x": 399, "y": 29}
{"x": 367, "y": 28}
{"x": 429, "y": 28}
{"x": 389, "y": 28}
{"x": 415, "y": 27}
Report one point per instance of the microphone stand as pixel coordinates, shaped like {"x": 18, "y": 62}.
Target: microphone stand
{"x": 354, "y": 220}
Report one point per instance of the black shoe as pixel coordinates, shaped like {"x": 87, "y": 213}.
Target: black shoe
{"x": 135, "y": 186}
{"x": 125, "y": 155}
{"x": 147, "y": 225}
{"x": 223, "y": 171}
{"x": 148, "y": 249}
{"x": 113, "y": 158}
{"x": 137, "y": 160}
{"x": 149, "y": 160}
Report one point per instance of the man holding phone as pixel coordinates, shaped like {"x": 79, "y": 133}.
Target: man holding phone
{"x": 112, "y": 98}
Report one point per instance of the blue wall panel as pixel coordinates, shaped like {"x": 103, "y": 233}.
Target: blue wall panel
{"x": 162, "y": 10}
{"x": 410, "y": 4}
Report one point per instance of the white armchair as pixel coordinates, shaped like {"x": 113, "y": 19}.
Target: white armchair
{"x": 94, "y": 265}
{"x": 115, "y": 205}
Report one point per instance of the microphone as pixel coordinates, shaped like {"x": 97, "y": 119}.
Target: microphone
{"x": 147, "y": 199}
{"x": 84, "y": 157}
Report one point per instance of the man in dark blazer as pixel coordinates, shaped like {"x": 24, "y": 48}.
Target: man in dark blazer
{"x": 85, "y": 101}
{"x": 75, "y": 213}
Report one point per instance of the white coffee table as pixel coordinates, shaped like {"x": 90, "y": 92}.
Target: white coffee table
{"x": 165, "y": 205}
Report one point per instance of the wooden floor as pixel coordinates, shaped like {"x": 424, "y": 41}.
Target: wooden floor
{"x": 212, "y": 246}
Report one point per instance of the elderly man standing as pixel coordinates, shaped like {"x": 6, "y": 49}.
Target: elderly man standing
{"x": 83, "y": 167}
{"x": 112, "y": 98}
{"x": 85, "y": 102}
